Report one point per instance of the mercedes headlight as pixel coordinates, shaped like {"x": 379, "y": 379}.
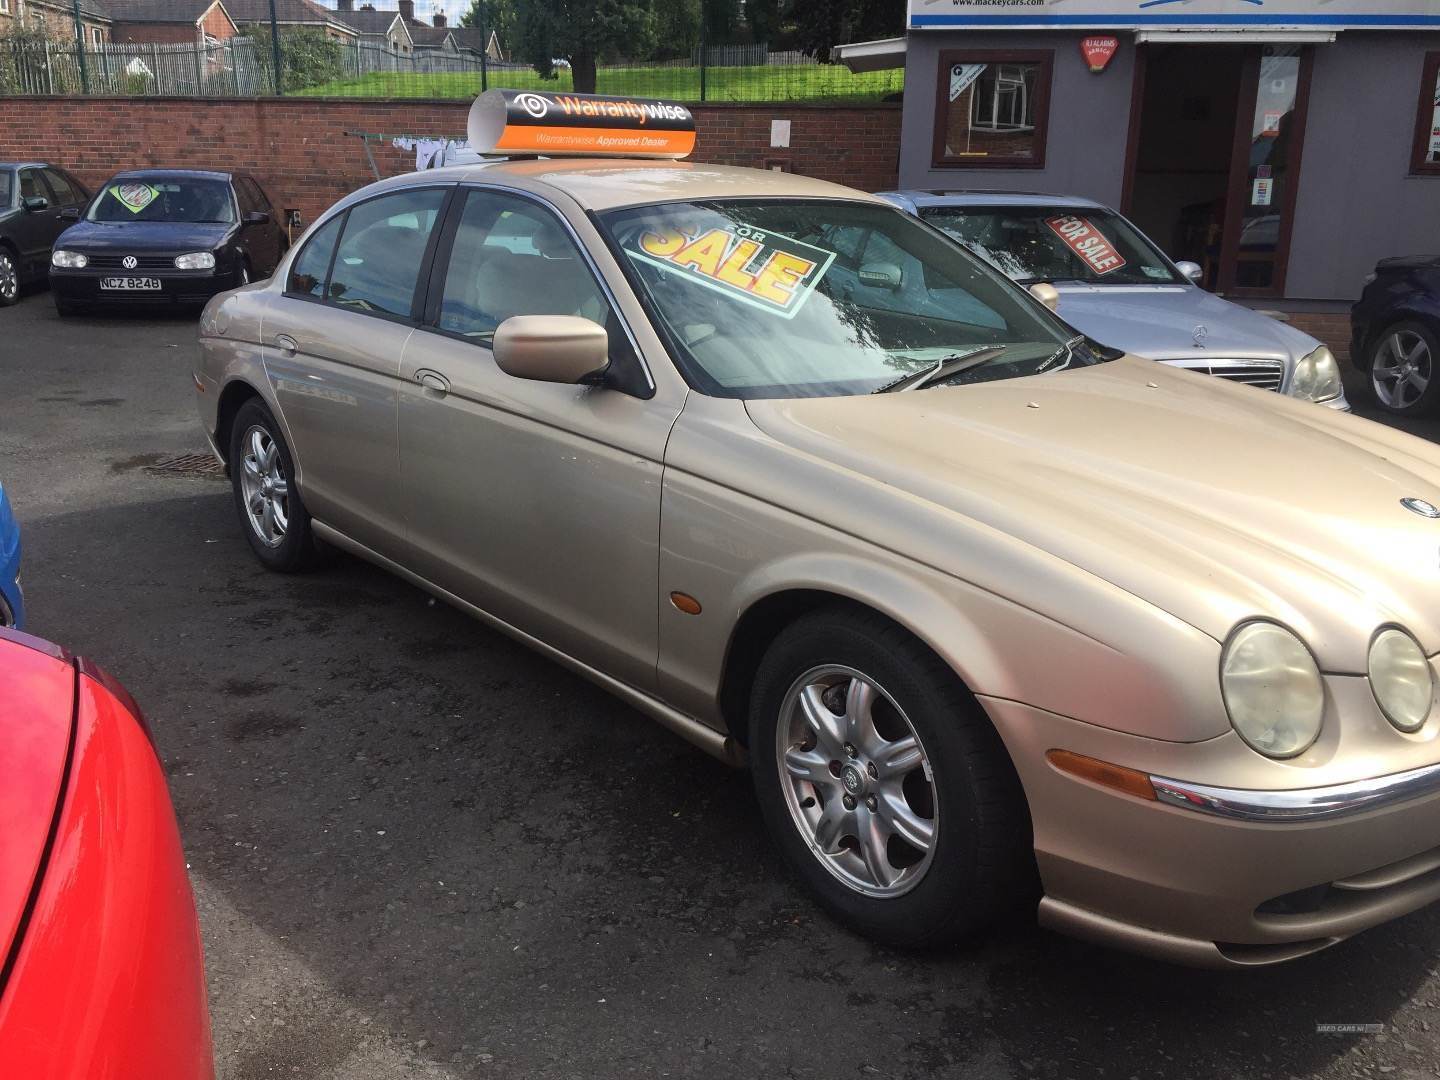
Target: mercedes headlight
{"x": 1401, "y": 679}
{"x": 196, "y": 260}
{"x": 1272, "y": 689}
{"x": 68, "y": 260}
{"x": 1317, "y": 377}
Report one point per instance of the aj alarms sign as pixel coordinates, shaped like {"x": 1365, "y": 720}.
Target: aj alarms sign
{"x": 1173, "y": 14}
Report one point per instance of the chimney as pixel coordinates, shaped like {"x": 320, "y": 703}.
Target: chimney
{"x": 344, "y": 5}
{"x": 407, "y": 10}
{"x": 439, "y": 19}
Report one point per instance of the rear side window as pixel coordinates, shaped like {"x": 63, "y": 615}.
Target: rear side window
{"x": 30, "y": 185}
{"x": 312, "y": 265}
{"x": 65, "y": 195}
{"x": 382, "y": 248}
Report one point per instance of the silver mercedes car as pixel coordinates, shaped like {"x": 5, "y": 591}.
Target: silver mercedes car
{"x": 1111, "y": 282}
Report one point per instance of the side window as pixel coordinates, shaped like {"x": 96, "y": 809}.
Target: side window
{"x": 243, "y": 196}
{"x": 31, "y": 186}
{"x": 262, "y": 201}
{"x": 312, "y": 265}
{"x": 65, "y": 195}
{"x": 512, "y": 257}
{"x": 381, "y": 251}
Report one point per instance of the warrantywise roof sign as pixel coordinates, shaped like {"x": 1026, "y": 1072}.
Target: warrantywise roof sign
{"x": 1174, "y": 14}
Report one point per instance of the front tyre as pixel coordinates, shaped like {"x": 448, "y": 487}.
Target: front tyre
{"x": 1402, "y": 369}
{"x": 883, "y": 784}
{"x": 9, "y": 278}
{"x": 262, "y": 472}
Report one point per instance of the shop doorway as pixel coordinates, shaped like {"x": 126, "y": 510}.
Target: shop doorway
{"x": 1215, "y": 157}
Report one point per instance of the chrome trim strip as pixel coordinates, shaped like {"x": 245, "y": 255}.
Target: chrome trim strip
{"x": 1302, "y": 804}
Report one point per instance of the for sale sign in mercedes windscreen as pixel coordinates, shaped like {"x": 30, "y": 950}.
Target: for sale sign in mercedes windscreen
{"x": 1174, "y": 14}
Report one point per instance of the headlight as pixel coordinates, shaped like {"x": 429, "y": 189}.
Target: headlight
{"x": 1401, "y": 679}
{"x": 196, "y": 260}
{"x": 1317, "y": 377}
{"x": 1272, "y": 689}
{"x": 68, "y": 260}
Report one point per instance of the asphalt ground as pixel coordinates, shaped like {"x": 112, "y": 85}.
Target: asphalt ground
{"x": 421, "y": 851}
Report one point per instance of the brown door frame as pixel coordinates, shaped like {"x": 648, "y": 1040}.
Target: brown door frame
{"x": 1238, "y": 197}
{"x": 1132, "y": 141}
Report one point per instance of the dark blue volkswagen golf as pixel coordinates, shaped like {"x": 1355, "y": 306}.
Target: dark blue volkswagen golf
{"x": 1395, "y": 334}
{"x": 166, "y": 236}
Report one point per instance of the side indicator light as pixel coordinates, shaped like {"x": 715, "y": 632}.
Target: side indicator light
{"x": 200, "y": 386}
{"x": 685, "y": 602}
{"x": 1116, "y": 777}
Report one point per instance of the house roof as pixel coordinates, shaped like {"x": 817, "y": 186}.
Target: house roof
{"x": 158, "y": 11}
{"x": 93, "y": 8}
{"x": 369, "y": 21}
{"x": 471, "y": 37}
{"x": 286, "y": 11}
{"x": 428, "y": 37}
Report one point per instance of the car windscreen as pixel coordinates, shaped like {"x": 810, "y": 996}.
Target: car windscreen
{"x": 6, "y": 188}
{"x": 805, "y": 298}
{"x": 164, "y": 199}
{"x": 1036, "y": 243}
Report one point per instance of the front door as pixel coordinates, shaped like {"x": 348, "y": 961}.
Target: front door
{"x": 537, "y": 502}
{"x": 36, "y": 231}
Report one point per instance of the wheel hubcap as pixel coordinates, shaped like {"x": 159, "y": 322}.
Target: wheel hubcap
{"x": 1401, "y": 371}
{"x": 264, "y": 487}
{"x": 857, "y": 781}
{"x": 9, "y": 279}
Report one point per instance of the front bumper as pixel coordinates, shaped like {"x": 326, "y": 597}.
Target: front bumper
{"x": 176, "y": 286}
{"x": 1213, "y": 876}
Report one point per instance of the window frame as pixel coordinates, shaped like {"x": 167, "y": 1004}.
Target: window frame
{"x": 429, "y": 320}
{"x": 419, "y": 297}
{"x": 1044, "y": 58}
{"x": 1425, "y": 118}
{"x": 38, "y": 172}
{"x": 49, "y": 172}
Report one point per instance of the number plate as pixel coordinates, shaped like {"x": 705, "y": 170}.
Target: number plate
{"x": 125, "y": 283}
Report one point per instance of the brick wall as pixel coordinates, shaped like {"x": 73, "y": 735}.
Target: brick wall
{"x": 1332, "y": 329}
{"x": 300, "y": 152}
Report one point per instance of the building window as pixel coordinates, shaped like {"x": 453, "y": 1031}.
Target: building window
{"x": 1427, "y": 125}
{"x": 4, "y": 7}
{"x": 991, "y": 109}
{"x": 97, "y": 37}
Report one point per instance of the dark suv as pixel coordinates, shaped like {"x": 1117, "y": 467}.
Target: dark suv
{"x": 33, "y": 195}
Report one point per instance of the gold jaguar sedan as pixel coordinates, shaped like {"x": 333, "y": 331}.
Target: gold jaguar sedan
{"x": 992, "y": 612}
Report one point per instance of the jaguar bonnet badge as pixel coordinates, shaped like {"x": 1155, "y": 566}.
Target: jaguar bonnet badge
{"x": 1200, "y": 333}
{"x": 1421, "y": 507}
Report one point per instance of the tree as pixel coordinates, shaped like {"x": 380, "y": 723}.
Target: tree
{"x": 581, "y": 32}
{"x": 677, "y": 28}
{"x": 823, "y": 24}
{"x": 764, "y": 19}
{"x": 494, "y": 16}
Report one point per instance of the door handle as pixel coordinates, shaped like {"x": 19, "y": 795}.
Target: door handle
{"x": 432, "y": 380}
{"x": 287, "y": 344}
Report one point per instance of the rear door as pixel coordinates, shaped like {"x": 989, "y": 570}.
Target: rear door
{"x": 332, "y": 347}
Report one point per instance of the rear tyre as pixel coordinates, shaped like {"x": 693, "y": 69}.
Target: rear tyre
{"x": 1402, "y": 369}
{"x": 9, "y": 277}
{"x": 271, "y": 511}
{"x": 884, "y": 785}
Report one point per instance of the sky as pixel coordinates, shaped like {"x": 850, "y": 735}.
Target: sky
{"x": 423, "y": 8}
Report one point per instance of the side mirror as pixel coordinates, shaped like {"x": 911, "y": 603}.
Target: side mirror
{"x": 35, "y": 203}
{"x": 552, "y": 348}
{"x": 1047, "y": 294}
{"x": 1193, "y": 271}
{"x": 256, "y": 217}
{"x": 70, "y": 213}
{"x": 881, "y": 276}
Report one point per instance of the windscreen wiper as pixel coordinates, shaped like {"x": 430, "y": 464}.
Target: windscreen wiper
{"x": 943, "y": 368}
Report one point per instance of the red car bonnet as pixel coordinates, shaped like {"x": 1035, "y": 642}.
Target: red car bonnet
{"x": 37, "y": 712}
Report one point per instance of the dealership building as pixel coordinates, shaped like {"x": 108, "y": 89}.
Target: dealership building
{"x": 1284, "y": 145}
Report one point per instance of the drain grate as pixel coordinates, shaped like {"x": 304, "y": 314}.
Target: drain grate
{"x": 203, "y": 464}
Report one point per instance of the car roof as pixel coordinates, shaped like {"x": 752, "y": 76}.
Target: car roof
{"x": 172, "y": 174}
{"x": 977, "y": 198}
{"x": 607, "y": 183}
{"x": 26, "y": 165}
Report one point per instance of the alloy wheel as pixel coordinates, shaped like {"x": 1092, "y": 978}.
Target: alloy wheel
{"x": 9, "y": 279}
{"x": 1402, "y": 369}
{"x": 857, "y": 781}
{"x": 265, "y": 488}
